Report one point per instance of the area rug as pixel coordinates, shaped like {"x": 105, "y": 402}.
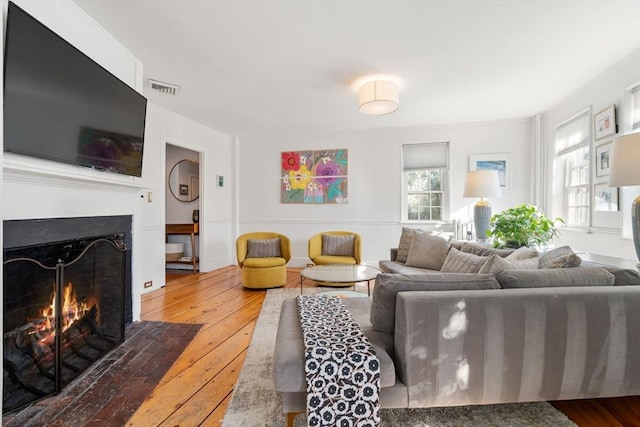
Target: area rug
{"x": 110, "y": 391}
{"x": 256, "y": 403}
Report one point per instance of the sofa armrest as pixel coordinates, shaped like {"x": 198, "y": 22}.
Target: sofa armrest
{"x": 516, "y": 345}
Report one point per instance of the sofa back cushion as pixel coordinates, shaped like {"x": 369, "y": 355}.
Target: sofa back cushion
{"x": 496, "y": 264}
{"x": 624, "y": 276}
{"x": 383, "y": 306}
{"x": 484, "y": 250}
{"x": 555, "y": 277}
{"x": 427, "y": 251}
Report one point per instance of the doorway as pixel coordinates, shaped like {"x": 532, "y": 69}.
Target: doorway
{"x": 182, "y": 207}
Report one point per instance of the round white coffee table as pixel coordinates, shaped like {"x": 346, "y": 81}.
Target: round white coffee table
{"x": 340, "y": 273}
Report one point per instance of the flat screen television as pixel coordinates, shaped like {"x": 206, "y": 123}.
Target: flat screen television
{"x": 61, "y": 105}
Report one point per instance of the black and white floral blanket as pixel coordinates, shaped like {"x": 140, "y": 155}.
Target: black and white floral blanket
{"x": 342, "y": 369}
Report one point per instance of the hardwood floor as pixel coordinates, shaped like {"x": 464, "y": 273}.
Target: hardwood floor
{"x": 197, "y": 388}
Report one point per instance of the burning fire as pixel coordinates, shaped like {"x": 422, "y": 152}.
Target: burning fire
{"x": 72, "y": 310}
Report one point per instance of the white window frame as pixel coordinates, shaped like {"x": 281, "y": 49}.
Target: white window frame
{"x": 565, "y": 147}
{"x": 632, "y": 108}
{"x": 441, "y": 165}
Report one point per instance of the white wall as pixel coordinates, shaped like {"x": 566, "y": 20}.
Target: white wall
{"x": 165, "y": 127}
{"x": 374, "y": 180}
{"x": 610, "y": 231}
{"x": 34, "y": 188}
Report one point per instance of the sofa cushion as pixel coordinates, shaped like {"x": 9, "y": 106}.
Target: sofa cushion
{"x": 383, "y": 306}
{"x": 484, "y": 250}
{"x": 496, "y": 264}
{"x": 523, "y": 253}
{"x": 556, "y": 258}
{"x": 555, "y": 277}
{"x": 333, "y": 245}
{"x": 400, "y": 268}
{"x": 405, "y": 243}
{"x": 427, "y": 251}
{"x": 263, "y": 248}
{"x": 462, "y": 262}
{"x": 273, "y": 261}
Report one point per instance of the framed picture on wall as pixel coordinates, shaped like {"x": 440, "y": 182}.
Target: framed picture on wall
{"x": 605, "y": 198}
{"x": 604, "y": 123}
{"x": 184, "y": 189}
{"x": 603, "y": 156}
{"x": 498, "y": 162}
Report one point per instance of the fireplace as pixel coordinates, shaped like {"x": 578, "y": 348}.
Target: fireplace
{"x": 66, "y": 299}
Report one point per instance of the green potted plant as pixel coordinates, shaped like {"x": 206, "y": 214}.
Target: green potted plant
{"x": 523, "y": 225}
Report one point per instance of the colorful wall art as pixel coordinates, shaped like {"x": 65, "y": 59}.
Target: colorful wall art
{"x": 314, "y": 176}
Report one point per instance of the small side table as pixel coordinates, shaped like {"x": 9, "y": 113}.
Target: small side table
{"x": 191, "y": 229}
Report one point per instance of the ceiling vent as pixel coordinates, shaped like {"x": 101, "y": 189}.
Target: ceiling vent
{"x": 164, "y": 87}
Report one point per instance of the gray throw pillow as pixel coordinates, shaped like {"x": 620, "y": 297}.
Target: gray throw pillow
{"x": 496, "y": 264}
{"x": 461, "y": 262}
{"x": 555, "y": 277}
{"x": 484, "y": 250}
{"x": 405, "y": 243}
{"x": 383, "y": 304}
{"x": 427, "y": 251}
{"x": 263, "y": 248}
{"x": 554, "y": 258}
{"x": 566, "y": 261}
{"x": 337, "y": 245}
{"x": 523, "y": 253}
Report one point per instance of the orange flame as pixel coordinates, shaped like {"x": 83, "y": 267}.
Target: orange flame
{"x": 72, "y": 310}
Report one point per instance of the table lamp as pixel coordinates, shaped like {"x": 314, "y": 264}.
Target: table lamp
{"x": 625, "y": 171}
{"x": 482, "y": 183}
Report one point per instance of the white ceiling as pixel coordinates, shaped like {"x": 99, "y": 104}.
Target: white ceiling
{"x": 286, "y": 66}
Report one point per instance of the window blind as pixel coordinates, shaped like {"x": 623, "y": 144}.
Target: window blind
{"x": 572, "y": 133}
{"x": 434, "y": 155}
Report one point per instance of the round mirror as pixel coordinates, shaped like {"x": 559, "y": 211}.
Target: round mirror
{"x": 184, "y": 180}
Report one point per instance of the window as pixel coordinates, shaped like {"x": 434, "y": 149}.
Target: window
{"x": 424, "y": 195}
{"x": 635, "y": 107}
{"x": 424, "y": 181}
{"x": 572, "y": 148}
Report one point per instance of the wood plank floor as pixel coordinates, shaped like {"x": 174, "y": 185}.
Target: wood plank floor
{"x": 197, "y": 388}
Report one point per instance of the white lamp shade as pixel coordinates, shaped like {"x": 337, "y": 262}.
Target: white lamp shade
{"x": 625, "y": 161}
{"x": 482, "y": 183}
{"x": 378, "y": 97}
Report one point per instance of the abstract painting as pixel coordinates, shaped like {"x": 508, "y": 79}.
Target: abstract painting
{"x": 314, "y": 177}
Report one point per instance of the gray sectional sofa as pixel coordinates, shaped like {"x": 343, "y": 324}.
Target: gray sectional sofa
{"x": 450, "y": 338}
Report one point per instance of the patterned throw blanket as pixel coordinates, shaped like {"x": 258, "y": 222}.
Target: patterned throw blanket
{"x": 342, "y": 369}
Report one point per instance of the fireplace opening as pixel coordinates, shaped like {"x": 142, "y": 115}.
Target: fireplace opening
{"x": 63, "y": 309}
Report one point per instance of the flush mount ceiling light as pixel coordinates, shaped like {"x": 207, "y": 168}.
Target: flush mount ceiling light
{"x": 378, "y": 93}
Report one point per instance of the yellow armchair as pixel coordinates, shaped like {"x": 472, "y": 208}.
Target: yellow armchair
{"x": 263, "y": 260}
{"x": 320, "y": 257}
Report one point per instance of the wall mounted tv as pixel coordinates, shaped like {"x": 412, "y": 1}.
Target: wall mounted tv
{"x": 61, "y": 105}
